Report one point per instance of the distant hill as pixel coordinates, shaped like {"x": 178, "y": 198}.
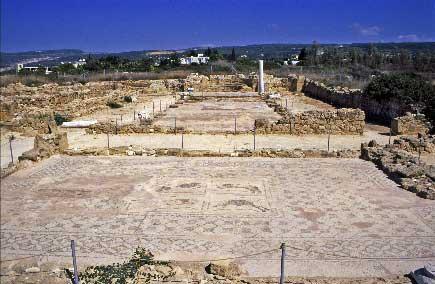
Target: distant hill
{"x": 54, "y": 57}
{"x": 11, "y": 59}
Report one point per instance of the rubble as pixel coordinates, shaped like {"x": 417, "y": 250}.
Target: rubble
{"x": 45, "y": 146}
{"x": 421, "y": 144}
{"x": 225, "y": 269}
{"x": 402, "y": 167}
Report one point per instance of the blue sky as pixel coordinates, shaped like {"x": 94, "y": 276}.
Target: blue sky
{"x": 122, "y": 25}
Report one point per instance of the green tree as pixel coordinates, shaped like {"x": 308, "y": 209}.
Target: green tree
{"x": 303, "y": 56}
{"x": 407, "y": 88}
{"x": 233, "y": 55}
{"x": 208, "y": 52}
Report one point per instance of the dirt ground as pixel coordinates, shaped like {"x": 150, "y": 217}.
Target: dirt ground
{"x": 128, "y": 113}
{"x": 218, "y": 115}
{"x": 301, "y": 103}
{"x": 19, "y": 145}
{"x": 78, "y": 139}
{"x": 338, "y": 217}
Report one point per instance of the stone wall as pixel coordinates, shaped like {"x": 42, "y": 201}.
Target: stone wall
{"x": 218, "y": 83}
{"x": 296, "y": 83}
{"x": 410, "y": 124}
{"x": 339, "y": 121}
{"x": 355, "y": 98}
{"x": 271, "y": 83}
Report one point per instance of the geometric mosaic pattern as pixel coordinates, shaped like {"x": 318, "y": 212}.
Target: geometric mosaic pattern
{"x": 206, "y": 208}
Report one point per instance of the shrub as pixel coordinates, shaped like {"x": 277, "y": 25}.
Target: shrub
{"x": 59, "y": 118}
{"x": 408, "y": 88}
{"x": 120, "y": 273}
{"x": 113, "y": 104}
{"x": 128, "y": 99}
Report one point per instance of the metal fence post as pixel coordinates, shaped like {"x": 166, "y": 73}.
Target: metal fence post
{"x": 116, "y": 126}
{"x": 108, "y": 143}
{"x": 134, "y": 115}
{"x": 235, "y": 125}
{"x": 73, "y": 250}
{"x": 175, "y": 125}
{"x": 281, "y": 279}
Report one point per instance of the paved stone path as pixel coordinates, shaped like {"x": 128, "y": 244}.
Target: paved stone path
{"x": 337, "y": 217}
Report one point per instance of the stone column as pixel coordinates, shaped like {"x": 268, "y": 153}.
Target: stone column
{"x": 260, "y": 77}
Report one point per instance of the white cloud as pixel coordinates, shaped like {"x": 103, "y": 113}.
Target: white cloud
{"x": 366, "y": 31}
{"x": 410, "y": 37}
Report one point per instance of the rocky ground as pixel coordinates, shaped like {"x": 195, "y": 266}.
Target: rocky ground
{"x": 401, "y": 163}
{"x": 223, "y": 272}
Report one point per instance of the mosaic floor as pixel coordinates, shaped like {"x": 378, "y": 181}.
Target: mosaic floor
{"x": 330, "y": 213}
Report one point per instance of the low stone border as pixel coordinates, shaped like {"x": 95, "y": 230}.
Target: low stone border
{"x": 271, "y": 153}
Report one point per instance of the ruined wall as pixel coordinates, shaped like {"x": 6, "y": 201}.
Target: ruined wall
{"x": 218, "y": 83}
{"x": 424, "y": 144}
{"x": 403, "y": 167}
{"x": 271, "y": 83}
{"x": 27, "y": 109}
{"x": 341, "y": 121}
{"x": 45, "y": 146}
{"x": 410, "y": 124}
{"x": 355, "y": 98}
{"x": 296, "y": 83}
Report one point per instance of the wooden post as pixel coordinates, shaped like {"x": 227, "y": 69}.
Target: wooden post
{"x": 116, "y": 126}
{"x": 419, "y": 150}
{"x": 182, "y": 140}
{"x": 286, "y": 103}
{"x": 121, "y": 118}
{"x": 175, "y": 125}
{"x": 254, "y": 136}
{"x": 153, "y": 108}
{"x": 329, "y": 132}
{"x": 134, "y": 115}
{"x": 73, "y": 250}
{"x": 389, "y": 139}
{"x": 281, "y": 279}
{"x": 108, "y": 143}
{"x": 235, "y": 125}
{"x": 10, "y": 148}
{"x": 329, "y": 137}
{"x": 160, "y": 105}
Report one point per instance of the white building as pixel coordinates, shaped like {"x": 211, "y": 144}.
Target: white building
{"x": 200, "y": 59}
{"x": 33, "y": 68}
{"x": 80, "y": 62}
{"x": 76, "y": 64}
